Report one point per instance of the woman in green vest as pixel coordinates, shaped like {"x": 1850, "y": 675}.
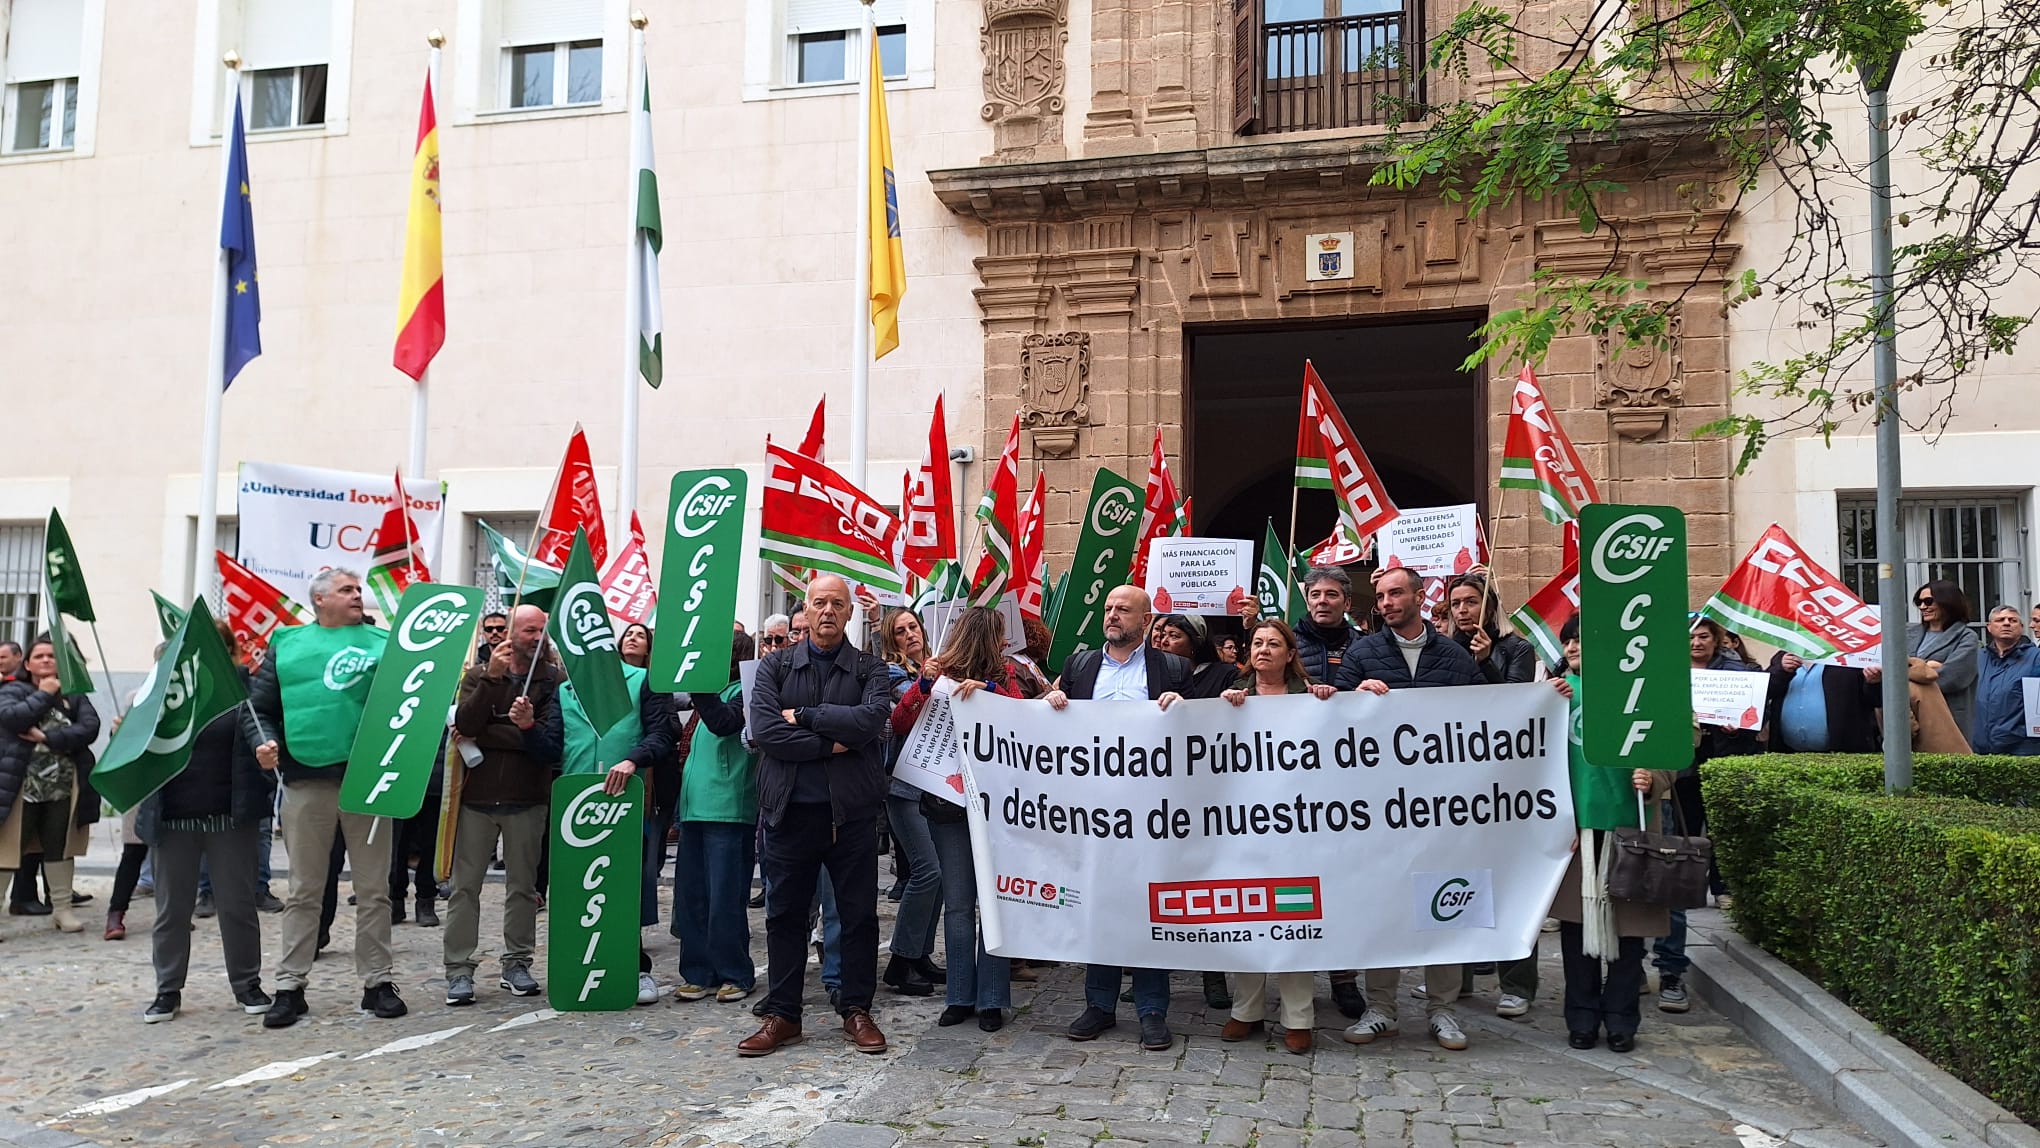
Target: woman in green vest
{"x": 718, "y": 846}
{"x": 638, "y": 742}
{"x": 1604, "y": 799}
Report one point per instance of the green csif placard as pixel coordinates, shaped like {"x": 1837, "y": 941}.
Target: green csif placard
{"x": 592, "y": 907}
{"x": 1104, "y": 555}
{"x": 698, "y": 582}
{"x": 1636, "y": 701}
{"x": 404, "y": 720}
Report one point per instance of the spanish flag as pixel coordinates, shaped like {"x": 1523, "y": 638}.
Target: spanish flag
{"x": 882, "y": 200}
{"x": 421, "y": 296}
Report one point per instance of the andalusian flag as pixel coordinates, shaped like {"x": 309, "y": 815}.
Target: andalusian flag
{"x": 648, "y": 235}
{"x": 1546, "y": 612}
{"x": 63, "y": 575}
{"x": 882, "y": 203}
{"x": 513, "y": 565}
{"x": 1538, "y": 456}
{"x": 421, "y": 294}
{"x": 399, "y": 557}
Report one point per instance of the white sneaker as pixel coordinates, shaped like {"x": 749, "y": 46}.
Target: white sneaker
{"x": 647, "y": 989}
{"x": 1445, "y": 1028}
{"x": 1372, "y": 1023}
{"x": 1511, "y": 1005}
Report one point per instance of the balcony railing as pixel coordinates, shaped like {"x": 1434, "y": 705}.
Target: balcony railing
{"x": 1340, "y": 72}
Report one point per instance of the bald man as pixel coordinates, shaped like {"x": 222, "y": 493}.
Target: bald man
{"x": 818, "y": 712}
{"x": 521, "y": 736}
{"x": 1125, "y": 670}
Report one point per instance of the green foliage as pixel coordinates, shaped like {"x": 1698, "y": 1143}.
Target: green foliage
{"x": 1765, "y": 91}
{"x": 1920, "y": 910}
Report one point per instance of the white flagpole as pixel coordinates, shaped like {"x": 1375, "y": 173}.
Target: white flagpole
{"x": 633, "y": 286}
{"x": 204, "y": 570}
{"x": 420, "y": 393}
{"x": 860, "y": 322}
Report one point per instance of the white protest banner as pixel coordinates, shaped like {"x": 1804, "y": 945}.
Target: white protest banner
{"x": 295, "y": 521}
{"x": 1188, "y": 575}
{"x": 1437, "y": 543}
{"x": 747, "y": 672}
{"x": 929, "y": 758}
{"x": 1284, "y": 835}
{"x": 936, "y": 617}
{"x": 1871, "y": 658}
{"x": 2032, "y": 688}
{"x": 1730, "y": 698}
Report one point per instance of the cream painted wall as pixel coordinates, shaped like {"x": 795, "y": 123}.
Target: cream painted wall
{"x": 107, "y": 266}
{"x": 1990, "y": 445}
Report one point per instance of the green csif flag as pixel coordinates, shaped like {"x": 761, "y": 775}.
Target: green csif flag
{"x": 168, "y": 615}
{"x": 66, "y": 579}
{"x": 579, "y": 628}
{"x": 1271, "y": 577}
{"x": 71, "y": 669}
{"x": 192, "y": 683}
{"x": 540, "y": 581}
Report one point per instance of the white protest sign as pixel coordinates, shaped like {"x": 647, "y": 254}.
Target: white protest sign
{"x": 936, "y": 617}
{"x": 295, "y": 521}
{"x": 1730, "y": 698}
{"x": 1869, "y": 659}
{"x": 1437, "y": 543}
{"x": 1200, "y": 575}
{"x": 1284, "y": 835}
{"x": 2032, "y": 687}
{"x": 928, "y": 758}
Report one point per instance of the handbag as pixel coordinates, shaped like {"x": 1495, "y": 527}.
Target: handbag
{"x": 1661, "y": 868}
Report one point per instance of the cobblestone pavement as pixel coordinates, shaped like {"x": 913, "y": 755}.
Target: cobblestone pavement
{"x": 76, "y": 1062}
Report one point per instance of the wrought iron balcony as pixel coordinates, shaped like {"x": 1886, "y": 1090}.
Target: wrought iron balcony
{"x": 1338, "y": 72}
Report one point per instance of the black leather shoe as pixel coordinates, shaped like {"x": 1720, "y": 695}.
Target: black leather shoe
{"x": 954, "y": 1015}
{"x": 933, "y": 973}
{"x": 1585, "y": 1040}
{"x": 1154, "y": 1033}
{"x": 29, "y": 909}
{"x": 902, "y": 977}
{"x": 1094, "y": 1020}
{"x": 1621, "y": 1042}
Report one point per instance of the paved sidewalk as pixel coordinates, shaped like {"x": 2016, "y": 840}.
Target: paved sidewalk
{"x": 80, "y": 1064}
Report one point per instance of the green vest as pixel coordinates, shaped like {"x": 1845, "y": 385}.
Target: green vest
{"x": 324, "y": 673}
{"x": 720, "y": 780}
{"x": 586, "y": 753}
{"x": 1602, "y": 796}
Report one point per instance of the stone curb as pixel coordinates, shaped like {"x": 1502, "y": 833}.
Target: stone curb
{"x": 1844, "y": 1059}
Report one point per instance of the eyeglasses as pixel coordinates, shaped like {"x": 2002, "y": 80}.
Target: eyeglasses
{"x": 1923, "y": 602}
{"x": 495, "y": 629}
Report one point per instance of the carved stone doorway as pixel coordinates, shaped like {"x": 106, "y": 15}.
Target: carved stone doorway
{"x": 1420, "y": 418}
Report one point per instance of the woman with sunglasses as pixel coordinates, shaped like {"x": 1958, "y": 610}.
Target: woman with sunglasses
{"x": 1943, "y": 640}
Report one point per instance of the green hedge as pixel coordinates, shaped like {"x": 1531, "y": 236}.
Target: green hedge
{"x": 1922, "y": 911}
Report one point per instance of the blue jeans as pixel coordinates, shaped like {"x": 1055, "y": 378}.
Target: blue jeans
{"x": 1668, "y": 953}
{"x": 1150, "y": 989}
{"x": 711, "y": 884}
{"x": 921, "y": 906}
{"x": 977, "y": 979}
{"x": 656, "y": 825}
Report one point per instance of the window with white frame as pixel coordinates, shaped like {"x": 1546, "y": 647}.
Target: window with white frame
{"x": 286, "y": 49}
{"x": 44, "y": 42}
{"x": 825, "y": 40}
{"x": 21, "y": 581}
{"x": 226, "y": 540}
{"x": 1977, "y": 541}
{"x": 551, "y": 53}
{"x": 498, "y": 587}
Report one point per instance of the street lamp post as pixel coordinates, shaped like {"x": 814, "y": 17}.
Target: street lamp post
{"x": 1891, "y": 589}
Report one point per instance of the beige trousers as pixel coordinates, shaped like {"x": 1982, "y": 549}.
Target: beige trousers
{"x": 1441, "y": 988}
{"x": 523, "y": 834}
{"x": 1250, "y": 998}
{"x": 311, "y": 814}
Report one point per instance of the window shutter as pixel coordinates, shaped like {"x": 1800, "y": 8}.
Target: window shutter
{"x": 42, "y": 40}
{"x": 1246, "y": 66}
{"x": 550, "y": 21}
{"x": 286, "y": 33}
{"x": 834, "y": 15}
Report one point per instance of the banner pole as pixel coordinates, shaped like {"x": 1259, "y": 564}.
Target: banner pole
{"x": 204, "y": 574}
{"x": 1494, "y": 512}
{"x": 860, "y": 324}
{"x": 104, "y": 670}
{"x": 420, "y": 392}
{"x": 633, "y": 284}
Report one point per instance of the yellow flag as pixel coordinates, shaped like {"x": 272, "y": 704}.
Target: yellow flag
{"x": 882, "y": 201}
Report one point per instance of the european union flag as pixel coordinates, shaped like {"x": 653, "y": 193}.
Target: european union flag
{"x": 237, "y": 240}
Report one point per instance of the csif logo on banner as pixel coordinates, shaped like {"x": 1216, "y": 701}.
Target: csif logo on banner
{"x": 1463, "y": 900}
{"x": 403, "y": 722}
{"x": 698, "y": 584}
{"x": 348, "y": 666}
{"x": 1636, "y": 688}
{"x": 584, "y": 622}
{"x": 592, "y": 904}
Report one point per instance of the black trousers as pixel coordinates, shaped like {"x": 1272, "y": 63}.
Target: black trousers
{"x": 126, "y": 876}
{"x": 797, "y": 849}
{"x": 1594, "y": 999}
{"x": 1690, "y": 806}
{"x": 419, "y": 835}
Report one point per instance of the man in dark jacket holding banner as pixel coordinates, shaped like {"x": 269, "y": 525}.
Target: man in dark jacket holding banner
{"x": 1126, "y": 669}
{"x": 303, "y": 709}
{"x": 1324, "y": 636}
{"x": 819, "y": 711}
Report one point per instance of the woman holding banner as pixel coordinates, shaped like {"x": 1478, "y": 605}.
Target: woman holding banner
{"x": 1273, "y": 669}
{"x": 978, "y": 983}
{"x": 1603, "y": 799}
{"x": 912, "y": 970}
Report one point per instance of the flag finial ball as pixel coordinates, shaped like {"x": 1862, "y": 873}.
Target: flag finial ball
{"x": 436, "y": 38}
{"x": 638, "y": 19}
{"x": 232, "y": 59}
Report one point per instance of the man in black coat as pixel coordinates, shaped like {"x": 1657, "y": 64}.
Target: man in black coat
{"x": 1126, "y": 669}
{"x": 1324, "y": 636}
{"x": 819, "y": 713}
{"x": 1815, "y": 708}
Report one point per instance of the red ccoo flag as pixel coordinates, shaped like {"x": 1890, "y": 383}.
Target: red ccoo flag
{"x": 1030, "y": 567}
{"x": 253, "y": 607}
{"x": 929, "y": 504}
{"x": 1166, "y": 513}
{"x": 574, "y": 504}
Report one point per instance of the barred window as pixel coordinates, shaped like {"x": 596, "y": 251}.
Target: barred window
{"x": 21, "y": 581}
{"x": 1976, "y": 541}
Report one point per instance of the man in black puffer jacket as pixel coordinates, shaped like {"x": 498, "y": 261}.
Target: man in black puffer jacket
{"x": 1406, "y": 652}
{"x": 1324, "y": 637}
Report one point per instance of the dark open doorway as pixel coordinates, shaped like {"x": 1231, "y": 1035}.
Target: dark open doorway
{"x": 1417, "y": 415}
